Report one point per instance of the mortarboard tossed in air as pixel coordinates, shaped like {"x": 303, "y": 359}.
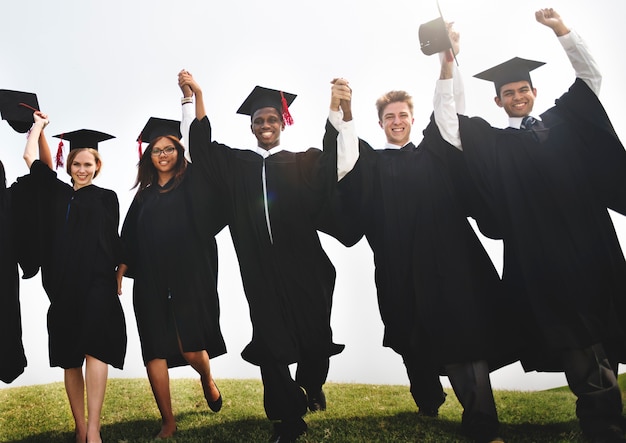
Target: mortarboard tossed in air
{"x": 513, "y": 70}
{"x": 158, "y": 127}
{"x": 261, "y": 97}
{"x": 17, "y": 109}
{"x": 434, "y": 37}
{"x": 82, "y": 138}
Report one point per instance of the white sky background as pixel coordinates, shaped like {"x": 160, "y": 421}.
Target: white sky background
{"x": 111, "y": 65}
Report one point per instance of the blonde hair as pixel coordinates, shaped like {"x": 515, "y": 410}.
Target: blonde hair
{"x": 74, "y": 152}
{"x": 393, "y": 97}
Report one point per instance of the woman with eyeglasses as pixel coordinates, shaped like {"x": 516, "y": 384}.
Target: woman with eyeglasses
{"x": 174, "y": 267}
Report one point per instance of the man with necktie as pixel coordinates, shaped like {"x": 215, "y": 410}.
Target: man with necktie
{"x": 548, "y": 187}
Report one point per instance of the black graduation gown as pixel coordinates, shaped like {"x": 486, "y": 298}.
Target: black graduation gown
{"x": 12, "y": 357}
{"x": 175, "y": 275}
{"x": 438, "y": 292}
{"x": 289, "y": 279}
{"x": 19, "y": 220}
{"x": 550, "y": 189}
{"x": 81, "y": 250}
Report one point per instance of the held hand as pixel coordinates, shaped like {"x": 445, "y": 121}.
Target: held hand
{"x": 119, "y": 275}
{"x": 187, "y": 92}
{"x": 341, "y": 95}
{"x": 185, "y": 79}
{"x": 550, "y": 18}
{"x": 41, "y": 119}
{"x": 455, "y": 38}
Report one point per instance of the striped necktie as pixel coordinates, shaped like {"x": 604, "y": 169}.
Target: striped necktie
{"x": 528, "y": 122}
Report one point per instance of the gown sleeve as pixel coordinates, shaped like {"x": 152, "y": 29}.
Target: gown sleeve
{"x": 208, "y": 181}
{"x": 26, "y": 216}
{"x": 603, "y": 152}
{"x": 470, "y": 200}
{"x": 32, "y": 204}
{"x": 111, "y": 242}
{"x": 480, "y": 188}
{"x": 346, "y": 199}
{"x": 129, "y": 237}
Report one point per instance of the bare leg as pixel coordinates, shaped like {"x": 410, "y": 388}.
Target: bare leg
{"x": 160, "y": 383}
{"x": 200, "y": 362}
{"x": 96, "y": 373}
{"x": 75, "y": 389}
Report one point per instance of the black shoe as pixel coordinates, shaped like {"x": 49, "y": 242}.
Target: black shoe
{"x": 288, "y": 432}
{"x": 613, "y": 434}
{"x": 431, "y": 411}
{"x": 215, "y": 405}
{"x": 424, "y": 412}
{"x": 317, "y": 402}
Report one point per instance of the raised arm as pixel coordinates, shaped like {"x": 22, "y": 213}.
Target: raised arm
{"x": 185, "y": 79}
{"x": 340, "y": 116}
{"x": 579, "y": 56}
{"x": 187, "y": 114}
{"x": 34, "y": 144}
{"x": 44, "y": 150}
{"x": 449, "y": 99}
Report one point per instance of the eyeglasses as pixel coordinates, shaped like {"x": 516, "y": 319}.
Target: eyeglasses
{"x": 167, "y": 151}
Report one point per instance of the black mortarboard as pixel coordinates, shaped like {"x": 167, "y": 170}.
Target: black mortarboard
{"x": 157, "y": 127}
{"x": 84, "y": 138}
{"x": 434, "y": 36}
{"x": 513, "y": 70}
{"x": 17, "y": 109}
{"x": 261, "y": 97}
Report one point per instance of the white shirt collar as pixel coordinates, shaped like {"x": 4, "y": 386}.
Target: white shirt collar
{"x": 391, "y": 146}
{"x": 265, "y": 153}
{"x": 515, "y": 122}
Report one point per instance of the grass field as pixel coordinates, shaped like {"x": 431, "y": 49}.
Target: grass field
{"x": 356, "y": 413}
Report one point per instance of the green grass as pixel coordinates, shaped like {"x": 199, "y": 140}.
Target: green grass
{"x": 356, "y": 413}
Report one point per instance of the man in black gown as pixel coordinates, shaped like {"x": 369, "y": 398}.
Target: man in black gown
{"x": 275, "y": 203}
{"x": 438, "y": 292}
{"x": 548, "y": 186}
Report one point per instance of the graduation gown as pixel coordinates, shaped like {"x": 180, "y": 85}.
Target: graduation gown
{"x": 549, "y": 190}
{"x": 287, "y": 277}
{"x": 81, "y": 249}
{"x": 175, "y": 274}
{"x": 19, "y": 244}
{"x": 438, "y": 292}
{"x": 12, "y": 357}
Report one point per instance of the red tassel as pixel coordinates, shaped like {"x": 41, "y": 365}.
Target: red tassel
{"x": 28, "y": 106}
{"x": 287, "y": 118}
{"x": 59, "y": 156}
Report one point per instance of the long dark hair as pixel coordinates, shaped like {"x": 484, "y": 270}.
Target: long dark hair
{"x": 147, "y": 174}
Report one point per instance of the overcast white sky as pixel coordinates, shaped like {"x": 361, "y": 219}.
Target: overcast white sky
{"x": 111, "y": 65}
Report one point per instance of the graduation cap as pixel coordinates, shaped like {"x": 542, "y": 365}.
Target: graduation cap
{"x": 17, "y": 109}
{"x": 82, "y": 138}
{"x": 513, "y": 70}
{"x": 158, "y": 127}
{"x": 261, "y": 97}
{"x": 434, "y": 37}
